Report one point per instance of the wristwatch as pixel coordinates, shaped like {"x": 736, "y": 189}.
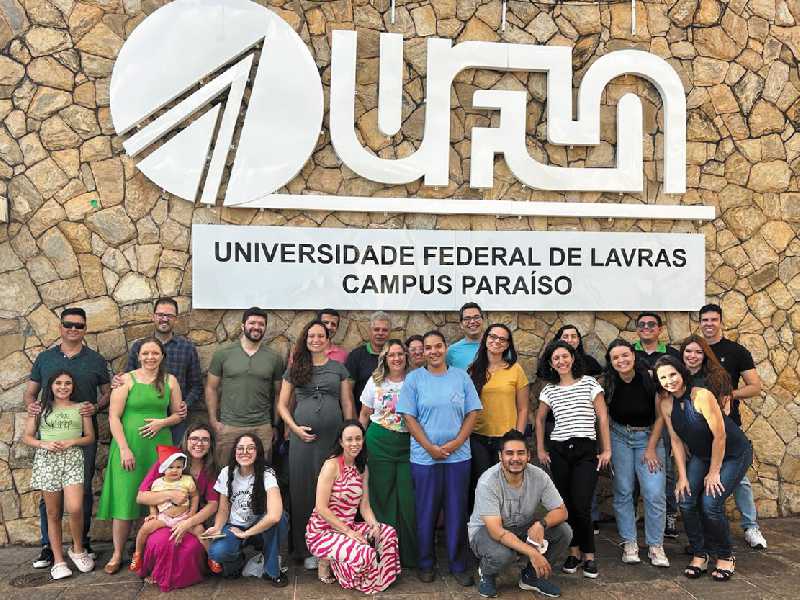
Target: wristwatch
{"x": 543, "y": 523}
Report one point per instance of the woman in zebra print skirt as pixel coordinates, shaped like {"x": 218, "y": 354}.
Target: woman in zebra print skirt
{"x": 363, "y": 556}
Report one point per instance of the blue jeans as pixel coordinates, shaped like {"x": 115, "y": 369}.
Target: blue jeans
{"x": 703, "y": 515}
{"x": 89, "y": 456}
{"x": 743, "y": 495}
{"x": 627, "y": 451}
{"x": 227, "y": 551}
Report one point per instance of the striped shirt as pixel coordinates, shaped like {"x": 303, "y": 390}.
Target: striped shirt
{"x": 573, "y": 408}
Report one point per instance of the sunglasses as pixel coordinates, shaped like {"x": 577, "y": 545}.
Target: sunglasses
{"x": 647, "y": 325}
{"x": 73, "y": 325}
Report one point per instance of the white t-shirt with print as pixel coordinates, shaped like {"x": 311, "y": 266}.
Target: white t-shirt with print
{"x": 242, "y": 514}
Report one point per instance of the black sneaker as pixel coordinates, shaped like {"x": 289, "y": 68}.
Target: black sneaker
{"x": 45, "y": 560}
{"x": 596, "y": 526}
{"x": 279, "y": 581}
{"x": 589, "y": 569}
{"x": 464, "y": 578}
{"x": 530, "y": 582}
{"x": 426, "y": 575}
{"x": 571, "y": 564}
{"x": 671, "y": 528}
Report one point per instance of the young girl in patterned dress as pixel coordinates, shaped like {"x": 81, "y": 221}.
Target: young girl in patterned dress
{"x": 363, "y": 556}
{"x": 58, "y": 434}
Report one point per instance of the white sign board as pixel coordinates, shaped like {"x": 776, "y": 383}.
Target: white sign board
{"x": 424, "y": 270}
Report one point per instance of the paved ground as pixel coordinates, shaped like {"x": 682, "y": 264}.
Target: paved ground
{"x": 774, "y": 573}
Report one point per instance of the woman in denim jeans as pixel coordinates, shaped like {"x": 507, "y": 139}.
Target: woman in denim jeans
{"x": 631, "y": 398}
{"x": 720, "y": 456}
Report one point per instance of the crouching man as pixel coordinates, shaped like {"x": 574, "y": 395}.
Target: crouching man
{"x": 507, "y": 521}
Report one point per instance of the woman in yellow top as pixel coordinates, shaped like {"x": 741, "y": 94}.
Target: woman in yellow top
{"x": 503, "y": 387}
{"x": 58, "y": 467}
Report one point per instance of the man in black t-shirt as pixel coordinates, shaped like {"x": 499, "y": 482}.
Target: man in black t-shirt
{"x": 649, "y": 349}
{"x": 362, "y": 361}
{"x": 738, "y": 362}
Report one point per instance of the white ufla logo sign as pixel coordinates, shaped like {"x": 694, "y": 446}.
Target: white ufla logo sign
{"x": 178, "y": 91}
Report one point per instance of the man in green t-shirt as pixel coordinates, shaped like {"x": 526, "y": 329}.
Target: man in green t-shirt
{"x": 250, "y": 375}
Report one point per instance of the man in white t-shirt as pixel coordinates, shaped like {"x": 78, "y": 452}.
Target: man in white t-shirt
{"x": 507, "y": 521}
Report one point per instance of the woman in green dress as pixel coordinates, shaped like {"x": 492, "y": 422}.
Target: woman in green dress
{"x": 142, "y": 410}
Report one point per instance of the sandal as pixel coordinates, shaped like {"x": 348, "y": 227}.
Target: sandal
{"x": 135, "y": 560}
{"x": 324, "y": 572}
{"x": 214, "y": 567}
{"x": 695, "y": 571}
{"x": 724, "y": 574}
{"x": 112, "y": 567}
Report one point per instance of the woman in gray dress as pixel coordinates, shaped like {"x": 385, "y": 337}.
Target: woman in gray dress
{"x": 323, "y": 399}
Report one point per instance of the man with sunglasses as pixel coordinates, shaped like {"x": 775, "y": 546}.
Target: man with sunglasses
{"x": 462, "y": 353}
{"x": 92, "y": 385}
{"x": 649, "y": 348}
{"x": 180, "y": 358}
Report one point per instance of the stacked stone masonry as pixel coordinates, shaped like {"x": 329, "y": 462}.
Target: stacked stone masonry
{"x": 86, "y": 228}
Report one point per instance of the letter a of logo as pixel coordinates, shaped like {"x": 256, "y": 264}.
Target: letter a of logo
{"x": 179, "y": 97}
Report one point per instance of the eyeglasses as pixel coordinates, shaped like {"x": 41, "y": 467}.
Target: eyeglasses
{"x": 168, "y": 316}
{"x": 73, "y": 325}
{"x": 199, "y": 440}
{"x": 472, "y": 319}
{"x": 647, "y": 324}
{"x": 497, "y": 338}
{"x": 245, "y": 449}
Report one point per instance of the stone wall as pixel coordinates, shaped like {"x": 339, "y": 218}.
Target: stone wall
{"x": 87, "y": 229}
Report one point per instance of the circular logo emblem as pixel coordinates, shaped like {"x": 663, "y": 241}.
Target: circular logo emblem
{"x": 217, "y": 98}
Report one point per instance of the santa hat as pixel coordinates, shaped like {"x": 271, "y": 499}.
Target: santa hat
{"x": 167, "y": 455}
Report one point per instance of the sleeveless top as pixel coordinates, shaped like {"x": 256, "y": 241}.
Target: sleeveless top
{"x": 692, "y": 427}
{"x": 61, "y": 424}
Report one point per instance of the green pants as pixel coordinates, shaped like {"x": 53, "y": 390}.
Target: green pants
{"x": 391, "y": 493}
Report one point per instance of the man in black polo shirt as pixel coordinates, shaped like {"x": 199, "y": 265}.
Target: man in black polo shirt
{"x": 92, "y": 383}
{"x": 362, "y": 361}
{"x": 649, "y": 348}
{"x": 738, "y": 362}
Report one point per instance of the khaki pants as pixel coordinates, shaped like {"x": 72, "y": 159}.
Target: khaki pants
{"x": 231, "y": 432}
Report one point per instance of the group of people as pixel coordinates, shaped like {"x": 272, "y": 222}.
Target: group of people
{"x": 370, "y": 451}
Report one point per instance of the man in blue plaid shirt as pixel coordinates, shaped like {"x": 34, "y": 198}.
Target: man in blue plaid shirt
{"x": 181, "y": 358}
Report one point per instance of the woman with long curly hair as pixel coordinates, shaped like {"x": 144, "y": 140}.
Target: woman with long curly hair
{"x": 324, "y": 399}
{"x": 250, "y": 505}
{"x": 388, "y": 444}
{"x": 503, "y": 388}
{"x": 706, "y": 370}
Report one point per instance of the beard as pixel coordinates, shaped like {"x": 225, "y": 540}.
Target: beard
{"x": 254, "y": 335}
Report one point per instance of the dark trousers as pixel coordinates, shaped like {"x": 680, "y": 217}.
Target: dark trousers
{"x": 573, "y": 466}
{"x": 436, "y": 487}
{"x": 89, "y": 456}
{"x": 485, "y": 451}
{"x": 704, "y": 516}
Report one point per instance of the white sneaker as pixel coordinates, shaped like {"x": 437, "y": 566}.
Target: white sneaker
{"x": 83, "y": 561}
{"x": 310, "y": 563}
{"x": 60, "y": 571}
{"x": 658, "y": 557}
{"x": 755, "y": 538}
{"x": 630, "y": 553}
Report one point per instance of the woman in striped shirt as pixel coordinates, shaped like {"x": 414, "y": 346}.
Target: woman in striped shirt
{"x": 577, "y": 403}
